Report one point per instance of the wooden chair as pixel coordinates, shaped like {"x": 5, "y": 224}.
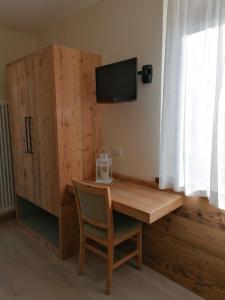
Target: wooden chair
{"x": 99, "y": 223}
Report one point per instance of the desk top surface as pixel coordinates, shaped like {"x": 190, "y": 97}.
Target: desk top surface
{"x": 142, "y": 202}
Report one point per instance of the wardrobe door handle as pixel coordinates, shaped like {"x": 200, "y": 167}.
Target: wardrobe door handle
{"x": 30, "y": 135}
{"x": 27, "y": 134}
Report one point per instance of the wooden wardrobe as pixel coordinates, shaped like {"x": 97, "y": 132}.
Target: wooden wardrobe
{"x": 55, "y": 135}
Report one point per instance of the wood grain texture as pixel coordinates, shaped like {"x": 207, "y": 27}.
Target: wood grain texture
{"x": 18, "y": 101}
{"x": 30, "y": 94}
{"x": 78, "y": 127}
{"x": 34, "y": 157}
{"x": 91, "y": 128}
{"x": 68, "y": 227}
{"x": 45, "y": 122}
{"x": 111, "y": 241}
{"x": 140, "y": 201}
{"x": 68, "y": 99}
{"x": 78, "y": 131}
{"x": 188, "y": 246}
{"x": 56, "y": 88}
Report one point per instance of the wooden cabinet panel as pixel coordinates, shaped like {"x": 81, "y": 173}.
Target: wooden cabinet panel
{"x": 78, "y": 115}
{"x": 18, "y": 102}
{"x": 45, "y": 126}
{"x": 91, "y": 132}
{"x": 68, "y": 101}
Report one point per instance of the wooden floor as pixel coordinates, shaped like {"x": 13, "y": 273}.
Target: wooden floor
{"x": 29, "y": 272}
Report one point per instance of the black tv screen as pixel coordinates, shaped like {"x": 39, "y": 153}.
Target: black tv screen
{"x": 117, "y": 82}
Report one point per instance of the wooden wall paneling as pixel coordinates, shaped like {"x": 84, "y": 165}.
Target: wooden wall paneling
{"x": 44, "y": 122}
{"x": 198, "y": 209}
{"x": 200, "y": 272}
{"x": 193, "y": 234}
{"x": 91, "y": 132}
{"x": 18, "y": 102}
{"x": 188, "y": 247}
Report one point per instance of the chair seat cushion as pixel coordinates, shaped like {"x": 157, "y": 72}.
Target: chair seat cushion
{"x": 123, "y": 225}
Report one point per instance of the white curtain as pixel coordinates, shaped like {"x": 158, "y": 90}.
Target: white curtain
{"x": 192, "y": 152}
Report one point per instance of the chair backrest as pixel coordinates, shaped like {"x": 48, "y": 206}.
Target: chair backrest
{"x": 94, "y": 205}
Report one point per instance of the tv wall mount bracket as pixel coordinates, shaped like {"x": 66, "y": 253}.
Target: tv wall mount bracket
{"x": 146, "y": 73}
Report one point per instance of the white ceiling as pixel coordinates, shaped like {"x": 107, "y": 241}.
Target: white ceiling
{"x": 38, "y": 15}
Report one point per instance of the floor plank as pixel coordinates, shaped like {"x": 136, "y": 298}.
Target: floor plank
{"x": 29, "y": 272}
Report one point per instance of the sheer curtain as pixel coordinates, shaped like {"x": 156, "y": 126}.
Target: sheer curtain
{"x": 192, "y": 153}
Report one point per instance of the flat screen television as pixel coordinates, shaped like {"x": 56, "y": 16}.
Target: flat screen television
{"x": 117, "y": 82}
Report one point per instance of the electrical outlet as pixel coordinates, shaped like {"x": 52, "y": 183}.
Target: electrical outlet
{"x": 117, "y": 151}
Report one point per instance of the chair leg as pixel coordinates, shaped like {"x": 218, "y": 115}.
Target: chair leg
{"x": 139, "y": 247}
{"x": 110, "y": 260}
{"x": 82, "y": 253}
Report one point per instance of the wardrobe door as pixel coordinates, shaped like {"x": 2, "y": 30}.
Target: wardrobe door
{"x": 45, "y": 128}
{"x": 20, "y": 127}
{"x": 33, "y": 130}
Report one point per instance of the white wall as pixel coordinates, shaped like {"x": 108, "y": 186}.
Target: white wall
{"x": 120, "y": 29}
{"x": 13, "y": 44}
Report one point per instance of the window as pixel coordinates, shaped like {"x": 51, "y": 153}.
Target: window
{"x": 192, "y": 155}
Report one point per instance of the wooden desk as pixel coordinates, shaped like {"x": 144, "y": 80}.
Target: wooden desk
{"x": 140, "y": 201}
